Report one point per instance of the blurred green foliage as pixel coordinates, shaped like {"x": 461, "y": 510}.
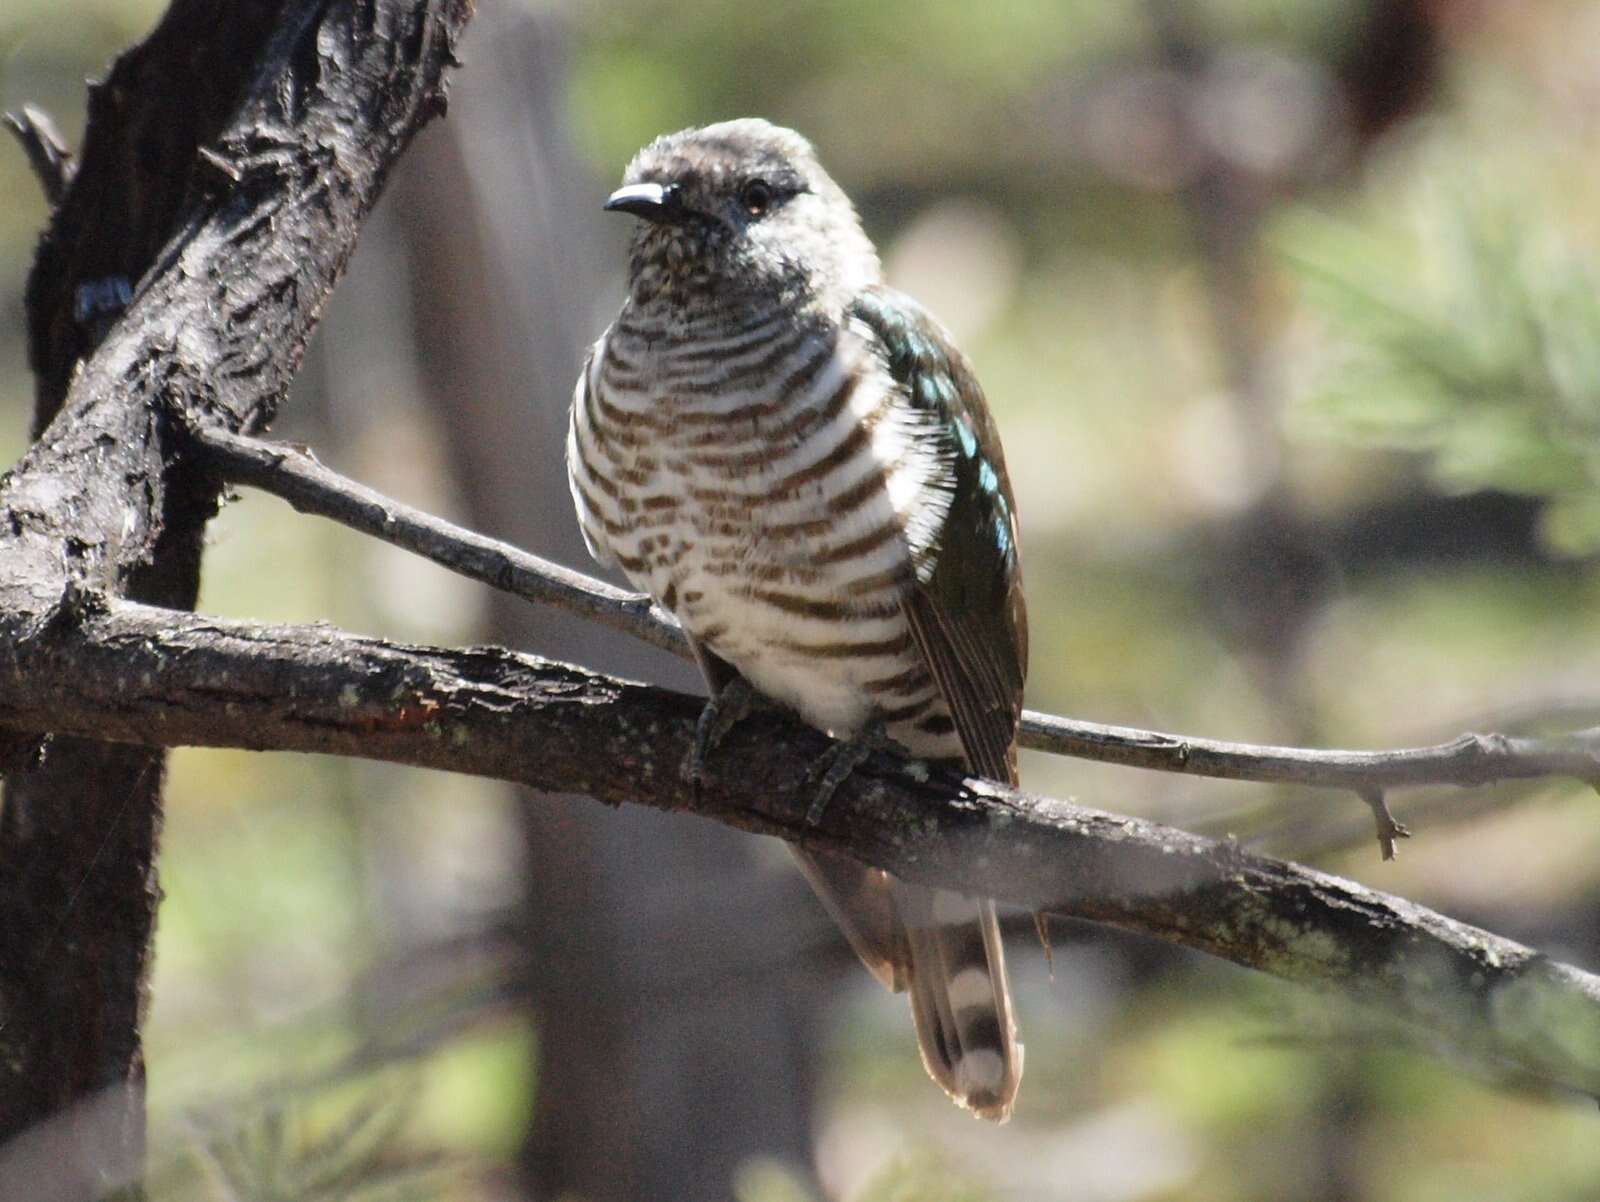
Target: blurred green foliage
{"x": 902, "y": 57}
{"x": 1464, "y": 306}
{"x": 922, "y": 1179}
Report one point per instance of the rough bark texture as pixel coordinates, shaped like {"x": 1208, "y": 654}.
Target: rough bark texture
{"x": 227, "y": 166}
{"x": 143, "y": 674}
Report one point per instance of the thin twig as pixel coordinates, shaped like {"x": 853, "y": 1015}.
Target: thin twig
{"x": 47, "y": 151}
{"x": 1470, "y": 760}
{"x": 1388, "y": 829}
{"x": 299, "y": 478}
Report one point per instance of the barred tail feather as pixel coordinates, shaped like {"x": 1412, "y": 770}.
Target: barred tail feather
{"x": 944, "y": 949}
{"x": 960, "y": 998}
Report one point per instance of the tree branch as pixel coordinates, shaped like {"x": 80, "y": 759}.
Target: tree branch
{"x": 157, "y": 677}
{"x": 48, "y": 153}
{"x": 299, "y": 478}
{"x": 228, "y": 162}
{"x": 1470, "y": 760}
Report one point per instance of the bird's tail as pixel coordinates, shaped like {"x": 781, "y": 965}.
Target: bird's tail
{"x": 960, "y": 999}
{"x": 944, "y": 949}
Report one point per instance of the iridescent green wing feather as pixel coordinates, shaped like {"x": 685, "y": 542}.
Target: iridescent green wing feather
{"x": 966, "y": 610}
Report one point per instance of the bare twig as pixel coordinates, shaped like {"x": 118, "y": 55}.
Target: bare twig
{"x": 1470, "y": 760}
{"x": 158, "y": 677}
{"x": 1388, "y": 829}
{"x": 47, "y": 151}
{"x": 298, "y": 478}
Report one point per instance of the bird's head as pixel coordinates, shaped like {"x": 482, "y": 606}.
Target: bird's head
{"x": 741, "y": 209}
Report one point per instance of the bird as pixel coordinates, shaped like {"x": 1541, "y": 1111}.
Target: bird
{"x": 796, "y": 461}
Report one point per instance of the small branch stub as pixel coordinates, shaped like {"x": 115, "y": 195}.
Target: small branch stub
{"x": 47, "y": 151}
{"x": 1388, "y": 829}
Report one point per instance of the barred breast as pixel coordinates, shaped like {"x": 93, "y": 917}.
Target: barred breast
{"x": 765, "y": 480}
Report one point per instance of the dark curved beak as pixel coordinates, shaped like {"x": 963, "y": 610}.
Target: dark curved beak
{"x": 653, "y": 202}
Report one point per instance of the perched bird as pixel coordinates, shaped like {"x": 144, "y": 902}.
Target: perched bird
{"x": 796, "y": 462}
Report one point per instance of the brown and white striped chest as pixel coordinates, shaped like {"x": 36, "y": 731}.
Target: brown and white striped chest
{"x": 775, "y": 498}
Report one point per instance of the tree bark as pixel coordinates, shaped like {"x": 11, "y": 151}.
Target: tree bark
{"x": 147, "y": 675}
{"x": 228, "y": 163}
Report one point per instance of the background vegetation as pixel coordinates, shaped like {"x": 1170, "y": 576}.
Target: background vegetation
{"x": 1287, "y": 312}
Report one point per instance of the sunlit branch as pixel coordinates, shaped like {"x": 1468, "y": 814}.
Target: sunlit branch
{"x": 139, "y": 674}
{"x": 1470, "y": 760}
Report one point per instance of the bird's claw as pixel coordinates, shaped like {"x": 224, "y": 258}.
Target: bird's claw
{"x": 834, "y": 766}
{"x": 722, "y": 712}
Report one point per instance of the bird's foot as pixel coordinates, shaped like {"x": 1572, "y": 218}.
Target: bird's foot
{"x": 835, "y": 765}
{"x": 723, "y": 711}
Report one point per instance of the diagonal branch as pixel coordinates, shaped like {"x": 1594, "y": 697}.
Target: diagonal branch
{"x": 144, "y": 675}
{"x": 1470, "y": 760}
{"x": 300, "y": 479}
{"x": 228, "y": 162}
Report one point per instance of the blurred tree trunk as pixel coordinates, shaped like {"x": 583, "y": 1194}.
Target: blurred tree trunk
{"x": 669, "y": 1052}
{"x": 1268, "y": 571}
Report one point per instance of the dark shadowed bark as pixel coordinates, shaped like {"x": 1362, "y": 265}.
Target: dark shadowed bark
{"x": 228, "y": 163}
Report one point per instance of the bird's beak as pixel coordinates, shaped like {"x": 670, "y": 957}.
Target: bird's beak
{"x": 653, "y": 202}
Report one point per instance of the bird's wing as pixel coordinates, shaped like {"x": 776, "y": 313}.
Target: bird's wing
{"x": 966, "y": 609}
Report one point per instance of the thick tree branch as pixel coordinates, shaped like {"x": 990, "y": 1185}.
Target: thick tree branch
{"x": 153, "y": 676}
{"x": 1471, "y": 759}
{"x": 228, "y": 163}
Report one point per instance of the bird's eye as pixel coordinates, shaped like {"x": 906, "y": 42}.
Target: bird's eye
{"x": 756, "y": 197}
